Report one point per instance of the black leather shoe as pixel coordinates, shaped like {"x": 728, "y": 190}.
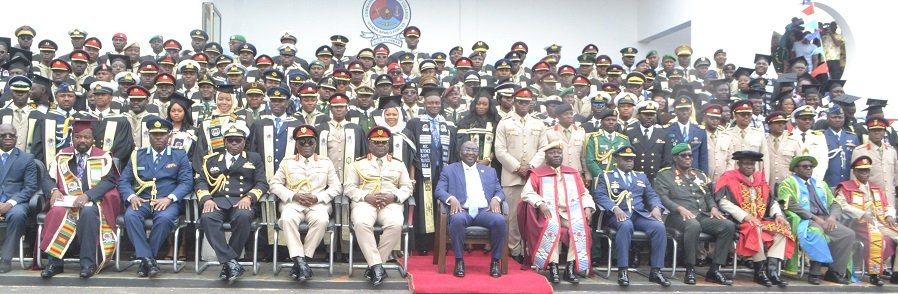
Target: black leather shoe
{"x": 143, "y": 268}
{"x": 236, "y": 270}
{"x": 378, "y": 275}
{"x": 369, "y": 274}
{"x": 775, "y": 278}
{"x": 552, "y": 275}
{"x": 152, "y": 267}
{"x": 306, "y": 271}
{"x": 690, "y": 276}
{"x": 87, "y": 272}
{"x": 5, "y": 265}
{"x": 655, "y": 276}
{"x": 569, "y": 274}
{"x": 294, "y": 271}
{"x": 518, "y": 258}
{"x": 835, "y": 277}
{"x": 894, "y": 278}
{"x": 495, "y": 272}
{"x": 876, "y": 281}
{"x": 301, "y": 270}
{"x": 623, "y": 278}
{"x": 459, "y": 268}
{"x": 717, "y": 277}
{"x": 761, "y": 275}
{"x": 224, "y": 273}
{"x": 52, "y": 270}
{"x": 814, "y": 279}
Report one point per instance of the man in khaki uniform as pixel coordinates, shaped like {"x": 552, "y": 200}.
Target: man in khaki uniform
{"x": 781, "y": 148}
{"x": 717, "y": 153}
{"x": 573, "y": 137}
{"x": 518, "y": 139}
{"x": 306, "y": 183}
{"x": 885, "y": 161}
{"x": 743, "y": 137}
{"x": 378, "y": 184}
{"x": 138, "y": 115}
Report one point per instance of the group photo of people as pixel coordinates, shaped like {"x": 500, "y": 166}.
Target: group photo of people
{"x": 180, "y": 150}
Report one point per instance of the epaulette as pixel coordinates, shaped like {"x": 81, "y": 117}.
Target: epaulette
{"x": 665, "y": 126}
{"x": 664, "y": 169}
{"x": 720, "y": 128}
{"x": 849, "y": 132}
{"x": 701, "y": 127}
{"x": 623, "y": 136}
{"x": 817, "y": 132}
{"x": 210, "y": 155}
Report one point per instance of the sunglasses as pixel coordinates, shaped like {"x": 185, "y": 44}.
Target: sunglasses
{"x": 380, "y": 142}
{"x": 410, "y": 92}
{"x": 685, "y": 155}
{"x": 7, "y": 136}
{"x": 305, "y": 142}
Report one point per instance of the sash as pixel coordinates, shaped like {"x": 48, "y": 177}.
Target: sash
{"x": 486, "y": 149}
{"x": 50, "y": 140}
{"x": 214, "y": 134}
{"x": 425, "y": 141}
{"x": 268, "y": 151}
{"x": 109, "y": 135}
{"x": 812, "y": 239}
{"x": 68, "y": 229}
{"x": 348, "y": 153}
{"x": 577, "y": 233}
{"x": 30, "y": 139}
{"x": 751, "y": 237}
{"x": 870, "y": 233}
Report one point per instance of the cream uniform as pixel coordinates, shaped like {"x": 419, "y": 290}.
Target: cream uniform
{"x": 814, "y": 144}
{"x": 780, "y": 151}
{"x": 750, "y": 138}
{"x": 315, "y": 175}
{"x": 574, "y": 139}
{"x": 372, "y": 175}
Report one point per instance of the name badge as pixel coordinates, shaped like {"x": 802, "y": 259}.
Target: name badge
{"x": 171, "y": 165}
{"x": 140, "y": 168}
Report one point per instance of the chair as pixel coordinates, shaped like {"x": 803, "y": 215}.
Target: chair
{"x": 269, "y": 210}
{"x": 609, "y": 233}
{"x": 676, "y": 236}
{"x": 34, "y": 204}
{"x": 177, "y": 265}
{"x": 474, "y": 235}
{"x": 378, "y": 229}
{"x": 255, "y": 226}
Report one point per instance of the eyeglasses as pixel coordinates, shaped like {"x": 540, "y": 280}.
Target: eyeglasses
{"x": 6, "y": 136}
{"x": 306, "y": 142}
{"x": 685, "y": 155}
{"x": 409, "y": 92}
{"x": 380, "y": 142}
{"x": 470, "y": 150}
{"x": 804, "y": 166}
{"x": 172, "y": 50}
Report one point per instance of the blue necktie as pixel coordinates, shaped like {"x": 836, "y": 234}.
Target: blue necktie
{"x": 435, "y": 137}
{"x": 3, "y": 158}
{"x": 277, "y": 124}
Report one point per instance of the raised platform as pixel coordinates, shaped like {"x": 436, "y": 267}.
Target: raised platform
{"x": 128, "y": 282}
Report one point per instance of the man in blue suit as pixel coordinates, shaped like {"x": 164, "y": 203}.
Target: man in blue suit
{"x": 18, "y": 181}
{"x": 474, "y": 196}
{"x": 684, "y": 131}
{"x": 635, "y": 206}
{"x": 154, "y": 182}
{"x": 840, "y": 142}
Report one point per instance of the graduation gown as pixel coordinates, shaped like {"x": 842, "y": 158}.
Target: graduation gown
{"x": 273, "y": 144}
{"x": 429, "y": 162}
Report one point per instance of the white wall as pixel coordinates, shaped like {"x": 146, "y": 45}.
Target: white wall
{"x": 54, "y": 19}
{"x": 443, "y": 24}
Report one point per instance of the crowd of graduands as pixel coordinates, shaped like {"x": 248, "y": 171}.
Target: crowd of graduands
{"x": 764, "y": 155}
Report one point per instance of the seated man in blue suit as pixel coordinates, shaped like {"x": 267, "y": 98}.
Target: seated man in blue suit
{"x": 474, "y": 196}
{"x": 153, "y": 182}
{"x": 635, "y": 206}
{"x": 18, "y": 181}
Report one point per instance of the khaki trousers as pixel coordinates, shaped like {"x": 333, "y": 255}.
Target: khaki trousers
{"x": 294, "y": 214}
{"x": 364, "y": 217}
{"x": 512, "y": 197}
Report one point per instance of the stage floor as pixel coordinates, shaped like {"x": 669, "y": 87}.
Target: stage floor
{"x": 110, "y": 281}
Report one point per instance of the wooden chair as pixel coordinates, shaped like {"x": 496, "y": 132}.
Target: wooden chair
{"x": 474, "y": 235}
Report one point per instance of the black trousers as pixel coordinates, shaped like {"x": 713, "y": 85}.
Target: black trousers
{"x": 241, "y": 225}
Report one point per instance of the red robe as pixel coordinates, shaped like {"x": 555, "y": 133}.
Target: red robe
{"x": 531, "y": 221}
{"x": 747, "y": 245}
{"x": 885, "y": 246}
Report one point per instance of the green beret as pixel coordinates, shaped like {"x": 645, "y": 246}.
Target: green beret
{"x": 797, "y": 159}
{"x": 565, "y": 91}
{"x": 679, "y": 148}
{"x": 668, "y": 56}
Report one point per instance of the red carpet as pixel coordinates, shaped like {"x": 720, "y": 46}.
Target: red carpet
{"x": 424, "y": 278}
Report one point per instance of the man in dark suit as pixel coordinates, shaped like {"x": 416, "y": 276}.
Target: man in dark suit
{"x": 634, "y": 206}
{"x": 18, "y": 181}
{"x": 650, "y": 142}
{"x": 154, "y": 182}
{"x": 683, "y": 131}
{"x": 228, "y": 186}
{"x": 474, "y": 196}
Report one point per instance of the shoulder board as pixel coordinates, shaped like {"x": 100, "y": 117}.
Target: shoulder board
{"x": 665, "y": 126}
{"x": 638, "y": 172}
{"x": 816, "y": 132}
{"x": 623, "y": 136}
{"x": 849, "y": 132}
{"x": 210, "y": 155}
{"x": 720, "y": 128}
{"x": 701, "y": 127}
{"x": 609, "y": 171}
{"x": 361, "y": 158}
{"x": 664, "y": 169}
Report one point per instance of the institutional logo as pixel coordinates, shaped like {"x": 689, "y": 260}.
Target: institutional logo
{"x": 385, "y": 20}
